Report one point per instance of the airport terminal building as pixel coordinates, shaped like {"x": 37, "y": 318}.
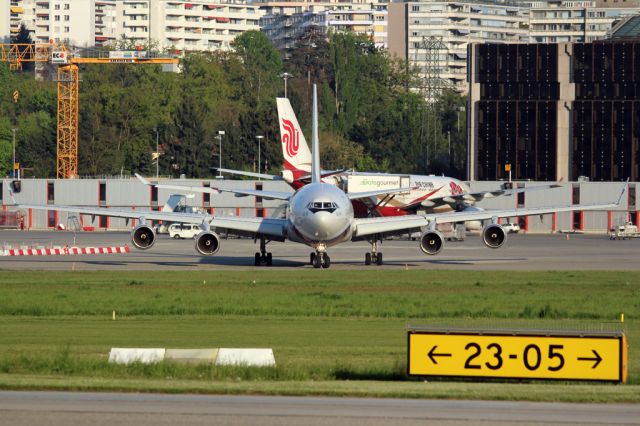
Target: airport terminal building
{"x": 131, "y": 193}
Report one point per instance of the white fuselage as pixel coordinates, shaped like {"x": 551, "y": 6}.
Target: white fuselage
{"x": 319, "y": 215}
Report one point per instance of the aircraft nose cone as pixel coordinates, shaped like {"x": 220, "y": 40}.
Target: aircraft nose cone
{"x": 326, "y": 226}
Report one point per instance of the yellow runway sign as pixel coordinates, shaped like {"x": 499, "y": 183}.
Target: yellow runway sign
{"x": 557, "y": 357}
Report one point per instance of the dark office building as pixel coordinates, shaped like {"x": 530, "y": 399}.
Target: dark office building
{"x": 555, "y": 111}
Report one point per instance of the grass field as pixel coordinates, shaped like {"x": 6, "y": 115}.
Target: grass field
{"x": 333, "y": 332}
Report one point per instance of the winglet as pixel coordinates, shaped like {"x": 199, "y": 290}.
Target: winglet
{"x": 624, "y": 188}
{"x": 11, "y": 195}
{"x": 143, "y": 180}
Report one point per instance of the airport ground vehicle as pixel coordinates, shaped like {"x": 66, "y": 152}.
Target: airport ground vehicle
{"x": 184, "y": 230}
{"x": 511, "y": 228}
{"x": 623, "y": 232}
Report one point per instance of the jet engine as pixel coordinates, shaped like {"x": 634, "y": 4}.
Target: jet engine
{"x": 493, "y": 236}
{"x": 143, "y": 237}
{"x": 207, "y": 243}
{"x": 431, "y": 242}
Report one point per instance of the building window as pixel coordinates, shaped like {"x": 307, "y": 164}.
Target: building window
{"x": 632, "y": 197}
{"x": 56, "y": 18}
{"x": 154, "y": 195}
{"x": 50, "y": 193}
{"x": 102, "y": 193}
{"x": 66, "y": 6}
{"x": 66, "y": 29}
{"x": 206, "y": 196}
{"x": 576, "y": 194}
{"x": 103, "y": 222}
{"x": 52, "y": 218}
{"x": 66, "y": 17}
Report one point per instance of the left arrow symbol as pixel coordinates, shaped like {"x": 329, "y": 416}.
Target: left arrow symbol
{"x": 432, "y": 354}
{"x": 597, "y": 358}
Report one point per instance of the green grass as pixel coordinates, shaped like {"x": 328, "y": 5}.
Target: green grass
{"x": 333, "y": 332}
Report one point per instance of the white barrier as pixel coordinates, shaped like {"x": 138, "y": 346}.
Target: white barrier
{"x": 224, "y": 356}
{"x": 246, "y": 357}
{"x": 129, "y": 355}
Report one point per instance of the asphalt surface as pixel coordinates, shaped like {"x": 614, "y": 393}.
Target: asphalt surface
{"x": 78, "y": 408}
{"x": 520, "y": 252}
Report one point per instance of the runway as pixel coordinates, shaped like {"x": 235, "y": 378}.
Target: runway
{"x": 520, "y": 252}
{"x": 71, "y": 408}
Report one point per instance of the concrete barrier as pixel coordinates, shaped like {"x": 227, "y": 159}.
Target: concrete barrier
{"x": 246, "y": 357}
{"x": 130, "y": 355}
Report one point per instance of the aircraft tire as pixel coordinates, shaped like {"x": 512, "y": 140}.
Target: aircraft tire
{"x": 258, "y": 259}
{"x": 317, "y": 262}
{"x": 326, "y": 261}
{"x": 367, "y": 259}
{"x": 312, "y": 258}
{"x": 269, "y": 259}
{"x": 379, "y": 259}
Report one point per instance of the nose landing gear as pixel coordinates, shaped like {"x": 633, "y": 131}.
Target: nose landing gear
{"x": 320, "y": 260}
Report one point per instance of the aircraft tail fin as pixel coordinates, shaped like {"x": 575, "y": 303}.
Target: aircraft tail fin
{"x": 316, "y": 175}
{"x": 295, "y": 151}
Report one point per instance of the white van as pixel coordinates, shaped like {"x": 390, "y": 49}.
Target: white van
{"x": 184, "y": 230}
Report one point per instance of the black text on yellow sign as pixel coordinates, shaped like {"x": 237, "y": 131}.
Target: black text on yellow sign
{"x": 601, "y": 358}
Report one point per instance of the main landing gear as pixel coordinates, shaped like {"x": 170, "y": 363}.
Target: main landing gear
{"x": 374, "y": 257}
{"x": 263, "y": 258}
{"x": 320, "y": 260}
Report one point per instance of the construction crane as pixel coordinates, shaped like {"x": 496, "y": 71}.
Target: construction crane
{"x": 67, "y": 63}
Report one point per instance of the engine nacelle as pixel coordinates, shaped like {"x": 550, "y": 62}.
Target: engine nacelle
{"x": 143, "y": 237}
{"x": 207, "y": 243}
{"x": 431, "y": 242}
{"x": 493, "y": 236}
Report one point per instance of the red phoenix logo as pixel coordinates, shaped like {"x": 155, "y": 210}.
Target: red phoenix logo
{"x": 455, "y": 188}
{"x": 291, "y": 138}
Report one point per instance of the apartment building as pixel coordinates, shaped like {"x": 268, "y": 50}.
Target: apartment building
{"x": 170, "y": 24}
{"x": 556, "y": 21}
{"x": 456, "y": 23}
{"x": 285, "y": 25}
{"x": 50, "y": 20}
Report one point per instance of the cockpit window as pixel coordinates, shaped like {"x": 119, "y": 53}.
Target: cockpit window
{"x": 326, "y": 206}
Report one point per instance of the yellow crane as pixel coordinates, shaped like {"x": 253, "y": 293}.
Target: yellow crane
{"x": 67, "y": 141}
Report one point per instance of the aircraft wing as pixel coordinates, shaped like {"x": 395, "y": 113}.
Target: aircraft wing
{"x": 235, "y": 225}
{"x": 250, "y": 174}
{"x": 382, "y": 225}
{"x": 480, "y": 195}
{"x": 271, "y": 195}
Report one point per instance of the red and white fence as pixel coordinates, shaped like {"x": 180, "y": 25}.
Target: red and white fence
{"x": 63, "y": 251}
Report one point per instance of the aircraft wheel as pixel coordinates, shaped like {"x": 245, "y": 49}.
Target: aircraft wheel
{"x": 269, "y": 259}
{"x": 379, "y": 259}
{"x": 367, "y": 259}
{"x": 257, "y": 260}
{"x": 326, "y": 261}
{"x": 317, "y": 262}
{"x": 312, "y": 258}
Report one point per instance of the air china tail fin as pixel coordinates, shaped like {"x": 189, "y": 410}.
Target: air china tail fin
{"x": 316, "y": 176}
{"x": 296, "y": 153}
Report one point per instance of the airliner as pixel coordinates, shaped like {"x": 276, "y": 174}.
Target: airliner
{"x": 430, "y": 193}
{"x": 319, "y": 215}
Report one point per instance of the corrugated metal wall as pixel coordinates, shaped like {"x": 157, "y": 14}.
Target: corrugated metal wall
{"x": 131, "y": 193}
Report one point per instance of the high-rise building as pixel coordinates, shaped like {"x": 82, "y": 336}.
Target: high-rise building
{"x": 454, "y": 24}
{"x": 285, "y": 26}
{"x": 555, "y": 21}
{"x": 555, "y": 111}
{"x": 169, "y": 24}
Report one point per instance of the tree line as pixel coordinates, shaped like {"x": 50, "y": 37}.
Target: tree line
{"x": 371, "y": 116}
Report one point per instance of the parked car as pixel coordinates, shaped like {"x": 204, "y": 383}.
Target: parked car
{"x": 511, "y": 228}
{"x": 184, "y": 230}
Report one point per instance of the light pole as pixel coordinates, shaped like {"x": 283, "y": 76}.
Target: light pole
{"x": 460, "y": 109}
{"x": 449, "y": 139}
{"x": 285, "y": 76}
{"x": 259, "y": 137}
{"x": 13, "y": 165}
{"x": 155, "y": 129}
{"x": 220, "y": 134}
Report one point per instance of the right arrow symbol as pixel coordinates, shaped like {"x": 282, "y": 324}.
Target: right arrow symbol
{"x": 432, "y": 354}
{"x": 597, "y": 358}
